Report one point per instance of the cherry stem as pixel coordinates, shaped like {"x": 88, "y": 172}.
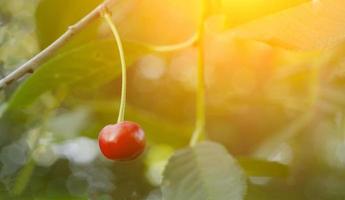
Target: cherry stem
{"x": 200, "y": 93}
{"x": 117, "y": 38}
{"x": 171, "y": 47}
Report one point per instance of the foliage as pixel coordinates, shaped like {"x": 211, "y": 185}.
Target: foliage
{"x": 191, "y": 174}
{"x": 275, "y": 114}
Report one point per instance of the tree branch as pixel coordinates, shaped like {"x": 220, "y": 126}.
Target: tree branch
{"x": 31, "y": 65}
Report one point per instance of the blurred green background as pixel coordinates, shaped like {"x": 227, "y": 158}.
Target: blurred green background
{"x": 263, "y": 100}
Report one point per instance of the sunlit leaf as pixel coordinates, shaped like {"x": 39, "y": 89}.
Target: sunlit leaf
{"x": 242, "y": 11}
{"x": 203, "y": 172}
{"x": 159, "y": 21}
{"x": 308, "y": 26}
{"x": 287, "y": 132}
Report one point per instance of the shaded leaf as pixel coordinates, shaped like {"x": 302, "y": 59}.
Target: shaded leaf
{"x": 54, "y": 16}
{"x": 88, "y": 66}
{"x": 273, "y": 192}
{"x": 158, "y": 129}
{"x": 83, "y": 68}
{"x": 205, "y": 171}
{"x": 261, "y": 168}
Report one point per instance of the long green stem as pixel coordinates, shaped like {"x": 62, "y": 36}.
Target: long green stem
{"x": 200, "y": 93}
{"x": 116, "y": 35}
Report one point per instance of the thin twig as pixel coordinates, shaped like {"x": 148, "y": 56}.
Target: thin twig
{"x": 31, "y": 65}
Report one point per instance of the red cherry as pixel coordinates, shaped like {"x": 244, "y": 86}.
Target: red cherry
{"x": 122, "y": 141}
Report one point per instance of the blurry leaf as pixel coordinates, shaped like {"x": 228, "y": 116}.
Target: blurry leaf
{"x": 60, "y": 197}
{"x": 156, "y": 159}
{"x": 155, "y": 195}
{"x": 257, "y": 167}
{"x": 305, "y": 27}
{"x": 23, "y": 178}
{"x": 159, "y": 22}
{"x": 274, "y": 192}
{"x": 239, "y": 12}
{"x": 205, "y": 171}
{"x": 175, "y": 134}
{"x": 333, "y": 66}
{"x": 333, "y": 96}
{"x": 288, "y": 132}
{"x": 54, "y": 16}
{"x": 68, "y": 125}
{"x": 157, "y": 129}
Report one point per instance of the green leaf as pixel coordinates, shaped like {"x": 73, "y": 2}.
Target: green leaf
{"x": 203, "y": 172}
{"x": 258, "y": 167}
{"x": 79, "y": 70}
{"x": 54, "y": 16}
{"x": 23, "y": 178}
{"x": 84, "y": 67}
{"x": 273, "y": 192}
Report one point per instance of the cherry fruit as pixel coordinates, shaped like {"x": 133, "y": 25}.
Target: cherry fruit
{"x": 122, "y": 141}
